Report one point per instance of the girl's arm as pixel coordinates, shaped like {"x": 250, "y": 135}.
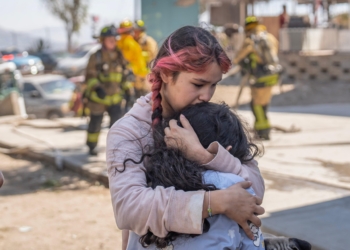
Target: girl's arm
{"x": 223, "y": 161}
{"x": 139, "y": 208}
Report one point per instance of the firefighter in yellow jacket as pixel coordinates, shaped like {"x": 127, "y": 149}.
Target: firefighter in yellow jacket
{"x": 258, "y": 57}
{"x": 108, "y": 79}
{"x": 148, "y": 45}
{"x": 149, "y": 48}
{"x": 132, "y": 52}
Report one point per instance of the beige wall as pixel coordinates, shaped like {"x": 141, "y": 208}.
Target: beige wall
{"x": 272, "y": 24}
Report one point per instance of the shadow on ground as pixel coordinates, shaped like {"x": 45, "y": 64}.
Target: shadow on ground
{"x": 316, "y": 223}
{"x": 34, "y": 176}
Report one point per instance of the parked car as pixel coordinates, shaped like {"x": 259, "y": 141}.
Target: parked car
{"x": 75, "y": 64}
{"x": 48, "y": 59}
{"x": 47, "y": 96}
{"x": 25, "y": 63}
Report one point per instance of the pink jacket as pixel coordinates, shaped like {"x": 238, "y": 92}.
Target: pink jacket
{"x": 138, "y": 207}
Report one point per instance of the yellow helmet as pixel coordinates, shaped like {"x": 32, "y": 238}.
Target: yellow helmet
{"x": 140, "y": 25}
{"x": 251, "y": 22}
{"x": 125, "y": 26}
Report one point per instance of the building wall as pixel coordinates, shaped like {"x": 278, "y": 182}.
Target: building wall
{"x": 162, "y": 17}
{"x": 227, "y": 13}
{"x": 272, "y": 24}
{"x": 321, "y": 67}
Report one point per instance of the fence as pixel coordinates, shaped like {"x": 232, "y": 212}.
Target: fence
{"x": 308, "y": 39}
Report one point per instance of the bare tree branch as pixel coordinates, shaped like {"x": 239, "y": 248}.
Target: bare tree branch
{"x": 73, "y": 13}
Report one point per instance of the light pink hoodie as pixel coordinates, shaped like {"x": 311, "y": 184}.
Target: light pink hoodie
{"x": 139, "y": 208}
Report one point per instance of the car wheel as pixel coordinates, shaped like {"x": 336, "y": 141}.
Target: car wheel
{"x": 52, "y": 115}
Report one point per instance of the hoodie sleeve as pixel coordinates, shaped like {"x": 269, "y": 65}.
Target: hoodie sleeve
{"x": 227, "y": 163}
{"x": 136, "y": 206}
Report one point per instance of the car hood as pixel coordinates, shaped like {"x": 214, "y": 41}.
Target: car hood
{"x": 59, "y": 96}
{"x": 24, "y": 60}
{"x": 72, "y": 62}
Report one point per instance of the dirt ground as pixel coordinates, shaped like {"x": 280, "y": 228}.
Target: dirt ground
{"x": 44, "y": 209}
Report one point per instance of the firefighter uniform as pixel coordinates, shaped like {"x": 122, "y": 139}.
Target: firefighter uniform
{"x": 132, "y": 52}
{"x": 149, "y": 48}
{"x": 258, "y": 58}
{"x": 148, "y": 45}
{"x": 107, "y": 78}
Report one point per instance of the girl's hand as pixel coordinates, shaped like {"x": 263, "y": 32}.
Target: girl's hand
{"x": 239, "y": 205}
{"x": 185, "y": 139}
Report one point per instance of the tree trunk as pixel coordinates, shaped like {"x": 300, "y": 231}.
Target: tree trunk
{"x": 69, "y": 41}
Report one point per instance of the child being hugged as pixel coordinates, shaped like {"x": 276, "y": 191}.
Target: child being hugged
{"x": 167, "y": 167}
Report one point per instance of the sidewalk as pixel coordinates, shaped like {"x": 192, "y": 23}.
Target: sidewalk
{"x": 64, "y": 147}
{"x": 318, "y": 154}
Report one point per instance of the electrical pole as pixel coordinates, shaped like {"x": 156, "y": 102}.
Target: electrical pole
{"x": 349, "y": 14}
{"x": 95, "y": 19}
{"x": 48, "y": 39}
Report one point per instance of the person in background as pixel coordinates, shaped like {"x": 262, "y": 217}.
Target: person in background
{"x": 234, "y": 39}
{"x": 284, "y": 18}
{"x": 149, "y": 48}
{"x": 148, "y": 44}
{"x": 258, "y": 57}
{"x": 108, "y": 79}
{"x": 132, "y": 52}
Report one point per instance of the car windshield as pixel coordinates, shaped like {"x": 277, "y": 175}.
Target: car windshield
{"x": 57, "y": 86}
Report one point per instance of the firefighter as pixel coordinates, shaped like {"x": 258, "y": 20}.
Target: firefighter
{"x": 132, "y": 52}
{"x": 258, "y": 58}
{"x": 107, "y": 78}
{"x": 149, "y": 51}
{"x": 148, "y": 44}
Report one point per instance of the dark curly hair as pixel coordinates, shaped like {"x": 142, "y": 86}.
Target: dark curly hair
{"x": 168, "y": 167}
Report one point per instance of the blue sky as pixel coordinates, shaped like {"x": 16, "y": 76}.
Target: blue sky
{"x": 24, "y": 15}
{"x": 31, "y": 16}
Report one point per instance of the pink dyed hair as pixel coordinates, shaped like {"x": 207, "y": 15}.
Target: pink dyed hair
{"x": 189, "y": 49}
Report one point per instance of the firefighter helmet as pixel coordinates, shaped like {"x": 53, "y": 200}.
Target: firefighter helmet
{"x": 140, "y": 25}
{"x": 108, "y": 31}
{"x": 125, "y": 26}
{"x": 251, "y": 22}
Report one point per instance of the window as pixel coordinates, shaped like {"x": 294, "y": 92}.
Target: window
{"x": 28, "y": 87}
{"x": 58, "y": 86}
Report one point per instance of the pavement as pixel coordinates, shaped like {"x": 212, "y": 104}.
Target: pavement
{"x": 317, "y": 156}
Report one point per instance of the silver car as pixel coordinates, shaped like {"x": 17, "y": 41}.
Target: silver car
{"x": 75, "y": 64}
{"x": 47, "y": 96}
